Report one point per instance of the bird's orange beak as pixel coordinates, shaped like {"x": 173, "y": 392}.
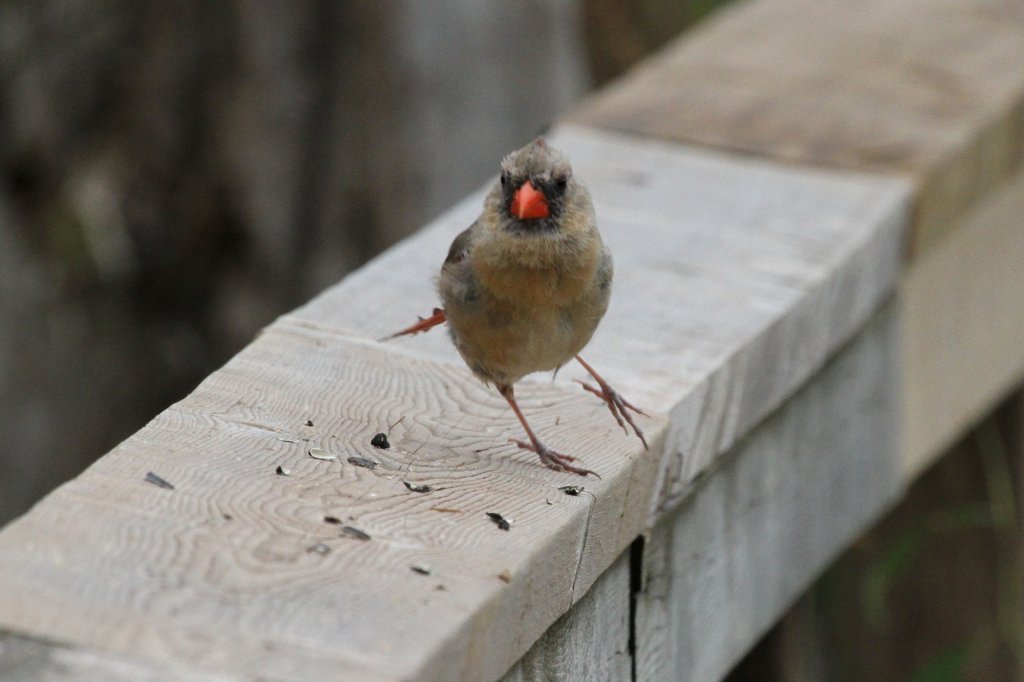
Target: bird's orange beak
{"x": 528, "y": 202}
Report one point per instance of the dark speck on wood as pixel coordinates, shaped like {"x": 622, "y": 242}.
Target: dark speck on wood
{"x": 354, "y": 533}
{"x": 499, "y": 520}
{"x": 380, "y": 441}
{"x": 157, "y": 481}
{"x": 416, "y": 488}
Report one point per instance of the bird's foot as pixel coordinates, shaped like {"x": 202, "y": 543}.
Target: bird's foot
{"x": 619, "y": 406}
{"x": 426, "y": 323}
{"x": 553, "y": 460}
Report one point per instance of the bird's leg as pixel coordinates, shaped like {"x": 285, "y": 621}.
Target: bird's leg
{"x": 618, "y": 405}
{"x": 425, "y": 324}
{"x": 551, "y": 459}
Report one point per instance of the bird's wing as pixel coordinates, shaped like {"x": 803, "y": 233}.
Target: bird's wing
{"x": 460, "y": 247}
{"x": 456, "y": 254}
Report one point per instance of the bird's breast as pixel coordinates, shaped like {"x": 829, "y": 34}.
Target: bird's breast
{"x": 503, "y": 342}
{"x": 530, "y": 287}
{"x": 535, "y": 304}
{"x": 553, "y": 281}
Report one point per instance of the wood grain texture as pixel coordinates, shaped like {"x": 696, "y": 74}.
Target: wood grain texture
{"x": 964, "y": 326}
{"x": 720, "y": 571}
{"x": 736, "y": 281}
{"x": 219, "y": 570}
{"x": 590, "y": 642}
{"x": 23, "y": 659}
{"x": 930, "y": 89}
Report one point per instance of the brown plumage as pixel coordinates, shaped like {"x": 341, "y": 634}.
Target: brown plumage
{"x": 526, "y": 285}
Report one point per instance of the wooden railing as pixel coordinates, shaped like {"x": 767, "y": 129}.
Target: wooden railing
{"x": 814, "y": 209}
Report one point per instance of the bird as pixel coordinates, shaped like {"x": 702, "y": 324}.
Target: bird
{"x": 524, "y": 287}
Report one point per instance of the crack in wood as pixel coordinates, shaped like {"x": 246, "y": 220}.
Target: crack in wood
{"x": 636, "y": 568}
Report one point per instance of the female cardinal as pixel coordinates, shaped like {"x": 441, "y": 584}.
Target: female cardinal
{"x": 526, "y": 285}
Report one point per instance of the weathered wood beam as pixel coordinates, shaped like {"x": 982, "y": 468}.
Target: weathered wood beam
{"x": 963, "y": 343}
{"x": 23, "y": 659}
{"x": 718, "y": 572}
{"x": 715, "y": 574}
{"x": 737, "y": 280}
{"x": 592, "y": 641}
{"x": 931, "y": 90}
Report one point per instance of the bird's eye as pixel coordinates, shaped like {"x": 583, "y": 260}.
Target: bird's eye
{"x": 504, "y": 179}
{"x": 561, "y": 181}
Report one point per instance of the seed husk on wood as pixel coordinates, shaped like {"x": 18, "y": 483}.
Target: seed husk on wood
{"x": 157, "y": 481}
{"x": 320, "y": 453}
{"x": 500, "y": 521}
{"x": 354, "y": 533}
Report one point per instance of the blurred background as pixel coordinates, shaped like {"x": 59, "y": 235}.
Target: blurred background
{"x": 173, "y": 176}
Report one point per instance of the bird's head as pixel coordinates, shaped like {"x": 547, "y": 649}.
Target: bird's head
{"x": 535, "y": 183}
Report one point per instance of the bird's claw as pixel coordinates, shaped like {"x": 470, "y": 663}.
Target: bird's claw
{"x": 618, "y": 406}
{"x": 425, "y": 324}
{"x": 553, "y": 460}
